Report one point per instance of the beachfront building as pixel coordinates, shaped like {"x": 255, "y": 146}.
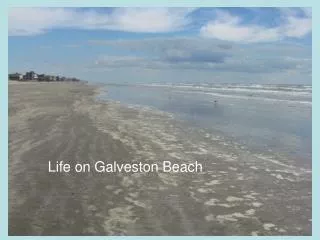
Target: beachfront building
{"x": 15, "y": 76}
{"x": 30, "y": 76}
{"x": 41, "y": 77}
{"x": 74, "y": 80}
{"x": 47, "y": 78}
{"x": 52, "y": 78}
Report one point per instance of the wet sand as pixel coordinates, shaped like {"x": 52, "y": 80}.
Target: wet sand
{"x": 237, "y": 194}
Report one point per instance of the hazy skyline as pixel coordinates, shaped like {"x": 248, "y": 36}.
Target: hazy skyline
{"x": 241, "y": 45}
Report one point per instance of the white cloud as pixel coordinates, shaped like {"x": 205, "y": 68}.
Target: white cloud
{"x": 150, "y": 19}
{"x": 33, "y": 21}
{"x": 297, "y": 27}
{"x": 231, "y": 28}
{"x": 307, "y": 11}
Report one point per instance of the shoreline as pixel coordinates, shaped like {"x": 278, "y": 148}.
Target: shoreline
{"x": 232, "y": 196}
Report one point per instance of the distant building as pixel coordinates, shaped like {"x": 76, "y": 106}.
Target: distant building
{"x": 15, "y": 76}
{"x": 31, "y": 76}
{"x": 41, "y": 77}
{"x": 46, "y": 78}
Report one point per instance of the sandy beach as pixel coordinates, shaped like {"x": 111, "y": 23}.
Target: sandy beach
{"x": 235, "y": 194}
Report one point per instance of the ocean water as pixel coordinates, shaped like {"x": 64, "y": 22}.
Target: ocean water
{"x": 265, "y": 119}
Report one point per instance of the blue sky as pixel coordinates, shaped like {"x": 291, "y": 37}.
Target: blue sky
{"x": 232, "y": 45}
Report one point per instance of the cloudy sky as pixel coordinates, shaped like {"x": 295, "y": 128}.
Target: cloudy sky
{"x": 233, "y": 45}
